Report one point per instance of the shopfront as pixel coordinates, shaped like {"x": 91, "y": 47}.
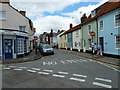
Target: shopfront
{"x": 13, "y": 43}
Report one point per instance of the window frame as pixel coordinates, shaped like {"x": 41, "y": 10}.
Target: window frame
{"x": 115, "y": 20}
{"x": 100, "y": 25}
{"x": 2, "y": 15}
{"x": 88, "y": 29}
{"x": 22, "y": 28}
{"x": 116, "y": 42}
{"x": 1, "y": 45}
{"x": 20, "y": 47}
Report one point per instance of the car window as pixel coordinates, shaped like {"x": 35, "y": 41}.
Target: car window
{"x": 46, "y": 46}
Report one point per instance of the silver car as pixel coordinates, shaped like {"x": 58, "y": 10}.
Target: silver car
{"x": 46, "y": 49}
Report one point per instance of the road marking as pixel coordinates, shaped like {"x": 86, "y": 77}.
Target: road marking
{"x": 23, "y": 67}
{"x": 36, "y": 69}
{"x": 55, "y": 75}
{"x": 31, "y": 71}
{"x": 63, "y": 72}
{"x": 79, "y": 75}
{"x": 102, "y": 85}
{"x": 6, "y": 68}
{"x": 48, "y": 70}
{"x": 101, "y": 79}
{"x": 18, "y": 69}
{"x": 76, "y": 79}
{"x": 44, "y": 73}
{"x": 12, "y": 66}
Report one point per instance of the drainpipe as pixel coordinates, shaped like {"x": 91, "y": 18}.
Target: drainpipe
{"x": 97, "y": 31}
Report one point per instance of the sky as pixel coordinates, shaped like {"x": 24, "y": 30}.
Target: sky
{"x": 55, "y": 14}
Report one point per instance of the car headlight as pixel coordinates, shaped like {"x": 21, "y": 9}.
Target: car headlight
{"x": 44, "y": 50}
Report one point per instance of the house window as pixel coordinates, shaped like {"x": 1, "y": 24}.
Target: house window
{"x": 2, "y": 15}
{"x": 89, "y": 28}
{"x": 117, "y": 42}
{"x": 65, "y": 37}
{"x": 101, "y": 25}
{"x": 22, "y": 28}
{"x": 117, "y": 20}
{"x": 20, "y": 46}
{"x": 77, "y": 33}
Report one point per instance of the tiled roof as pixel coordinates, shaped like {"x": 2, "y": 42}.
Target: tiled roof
{"x": 103, "y": 9}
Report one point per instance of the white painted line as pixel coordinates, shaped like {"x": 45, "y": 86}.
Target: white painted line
{"x": 48, "y": 70}
{"x": 63, "y": 72}
{"x": 76, "y": 79}
{"x": 79, "y": 75}
{"x": 18, "y": 69}
{"x": 102, "y": 85}
{"x": 44, "y": 73}
{"x": 36, "y": 69}
{"x": 23, "y": 67}
{"x": 6, "y": 68}
{"x": 55, "y": 75}
{"x": 106, "y": 80}
{"x": 12, "y": 66}
{"x": 31, "y": 71}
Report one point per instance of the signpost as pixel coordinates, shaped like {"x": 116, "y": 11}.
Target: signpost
{"x": 36, "y": 38}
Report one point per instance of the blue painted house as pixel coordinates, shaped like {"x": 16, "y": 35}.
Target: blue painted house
{"x": 109, "y": 28}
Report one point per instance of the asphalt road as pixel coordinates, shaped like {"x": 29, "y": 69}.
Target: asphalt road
{"x": 61, "y": 70}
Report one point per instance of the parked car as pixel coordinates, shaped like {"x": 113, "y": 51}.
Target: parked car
{"x": 46, "y": 49}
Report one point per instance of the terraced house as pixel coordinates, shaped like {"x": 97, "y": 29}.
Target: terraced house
{"x": 16, "y": 32}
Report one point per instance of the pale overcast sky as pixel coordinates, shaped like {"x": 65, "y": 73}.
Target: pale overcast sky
{"x": 55, "y": 14}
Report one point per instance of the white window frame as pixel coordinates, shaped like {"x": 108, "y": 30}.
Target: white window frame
{"x": 77, "y": 33}
{"x": 88, "y": 29}
{"x": 21, "y": 46}
{"x": 116, "y": 42}
{"x": 101, "y": 29}
{"x": 115, "y": 21}
{"x": 22, "y": 28}
{"x": 3, "y": 17}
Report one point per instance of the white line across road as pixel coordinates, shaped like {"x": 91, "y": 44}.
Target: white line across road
{"x": 48, "y": 70}
{"x": 63, "y": 72}
{"x": 17, "y": 69}
{"x": 43, "y": 73}
{"x": 79, "y": 75}
{"x": 31, "y": 71}
{"x": 5, "y": 68}
{"x": 36, "y": 69}
{"x": 60, "y": 76}
{"x": 102, "y": 85}
{"x": 77, "y": 79}
{"x": 101, "y": 79}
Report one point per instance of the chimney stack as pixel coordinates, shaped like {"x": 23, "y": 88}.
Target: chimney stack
{"x": 71, "y": 25}
{"x": 23, "y": 13}
{"x": 5, "y": 1}
{"x": 83, "y": 18}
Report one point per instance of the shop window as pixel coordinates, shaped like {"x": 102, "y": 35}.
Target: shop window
{"x": 20, "y": 46}
{"x": 117, "y": 42}
{"x": 0, "y": 46}
{"x": 117, "y": 20}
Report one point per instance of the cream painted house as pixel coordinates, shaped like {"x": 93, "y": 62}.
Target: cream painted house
{"x": 16, "y": 31}
{"x": 63, "y": 41}
{"x": 77, "y": 37}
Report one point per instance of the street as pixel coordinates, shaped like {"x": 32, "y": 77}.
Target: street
{"x": 61, "y": 70}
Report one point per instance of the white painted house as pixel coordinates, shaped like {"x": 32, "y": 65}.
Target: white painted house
{"x": 16, "y": 31}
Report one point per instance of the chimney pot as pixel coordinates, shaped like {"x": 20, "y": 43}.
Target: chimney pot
{"x": 23, "y": 13}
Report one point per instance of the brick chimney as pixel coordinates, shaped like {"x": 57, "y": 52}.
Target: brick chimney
{"x": 5, "y": 1}
{"x": 71, "y": 25}
{"x": 23, "y": 13}
{"x": 83, "y": 18}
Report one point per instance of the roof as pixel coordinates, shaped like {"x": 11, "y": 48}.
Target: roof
{"x": 102, "y": 10}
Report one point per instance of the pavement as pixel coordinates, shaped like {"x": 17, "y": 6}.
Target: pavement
{"x": 103, "y": 59}
{"x": 30, "y": 57}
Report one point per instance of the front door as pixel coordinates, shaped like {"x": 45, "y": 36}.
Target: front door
{"x": 101, "y": 39}
{"x": 8, "y": 48}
